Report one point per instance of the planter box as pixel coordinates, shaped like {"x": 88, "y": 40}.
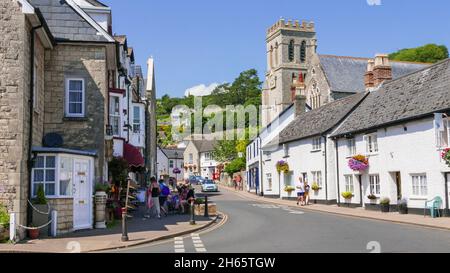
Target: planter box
{"x": 384, "y": 208}
{"x": 40, "y": 219}
{"x": 199, "y": 210}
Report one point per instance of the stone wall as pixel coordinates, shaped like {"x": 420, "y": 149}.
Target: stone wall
{"x": 89, "y": 63}
{"x": 64, "y": 207}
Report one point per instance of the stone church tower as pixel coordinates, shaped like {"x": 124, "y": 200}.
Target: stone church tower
{"x": 289, "y": 47}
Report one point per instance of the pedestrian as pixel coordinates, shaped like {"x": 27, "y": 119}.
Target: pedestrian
{"x": 235, "y": 183}
{"x": 165, "y": 192}
{"x": 155, "y": 191}
{"x": 300, "y": 191}
{"x": 307, "y": 187}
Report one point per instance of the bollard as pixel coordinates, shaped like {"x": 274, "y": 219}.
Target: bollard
{"x": 206, "y": 206}
{"x": 54, "y": 226}
{"x": 192, "y": 221}
{"x": 12, "y": 227}
{"x": 124, "y": 225}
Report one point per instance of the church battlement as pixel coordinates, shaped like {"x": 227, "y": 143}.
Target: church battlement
{"x": 292, "y": 25}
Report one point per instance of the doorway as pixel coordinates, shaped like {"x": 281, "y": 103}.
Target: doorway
{"x": 398, "y": 183}
{"x": 81, "y": 195}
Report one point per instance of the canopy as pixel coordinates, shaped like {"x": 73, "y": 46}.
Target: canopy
{"x": 133, "y": 156}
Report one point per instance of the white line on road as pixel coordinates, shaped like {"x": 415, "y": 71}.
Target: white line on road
{"x": 179, "y": 245}
{"x": 198, "y": 244}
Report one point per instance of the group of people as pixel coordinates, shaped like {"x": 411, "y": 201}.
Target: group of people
{"x": 161, "y": 198}
{"x": 303, "y": 192}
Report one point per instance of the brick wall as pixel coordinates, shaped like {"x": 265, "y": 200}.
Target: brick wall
{"x": 89, "y": 63}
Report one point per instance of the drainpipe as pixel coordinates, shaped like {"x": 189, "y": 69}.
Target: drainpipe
{"x": 326, "y": 169}
{"x": 360, "y": 190}
{"x": 260, "y": 170}
{"x": 31, "y": 109}
{"x": 447, "y": 211}
{"x": 337, "y": 172}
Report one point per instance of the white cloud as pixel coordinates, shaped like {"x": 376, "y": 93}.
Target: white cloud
{"x": 201, "y": 90}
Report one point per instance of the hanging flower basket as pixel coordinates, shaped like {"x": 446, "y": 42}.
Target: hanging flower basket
{"x": 446, "y": 156}
{"x": 176, "y": 171}
{"x": 358, "y": 163}
{"x": 289, "y": 189}
{"x": 282, "y": 166}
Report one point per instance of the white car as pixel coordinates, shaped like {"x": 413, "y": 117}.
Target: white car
{"x": 209, "y": 185}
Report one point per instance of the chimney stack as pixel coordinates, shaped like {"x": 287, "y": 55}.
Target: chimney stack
{"x": 299, "y": 97}
{"x": 368, "y": 77}
{"x": 382, "y": 70}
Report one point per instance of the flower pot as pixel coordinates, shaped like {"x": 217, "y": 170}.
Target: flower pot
{"x": 403, "y": 209}
{"x": 33, "y": 233}
{"x": 100, "y": 209}
{"x": 384, "y": 207}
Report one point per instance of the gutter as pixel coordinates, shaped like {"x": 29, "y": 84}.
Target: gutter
{"x": 326, "y": 168}
{"x": 337, "y": 172}
{"x": 31, "y": 117}
{"x": 447, "y": 211}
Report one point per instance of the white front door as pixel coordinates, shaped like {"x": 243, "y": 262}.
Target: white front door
{"x": 81, "y": 195}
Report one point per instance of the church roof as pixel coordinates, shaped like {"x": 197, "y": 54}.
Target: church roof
{"x": 346, "y": 74}
{"x": 318, "y": 121}
{"x": 412, "y": 96}
{"x": 67, "y": 22}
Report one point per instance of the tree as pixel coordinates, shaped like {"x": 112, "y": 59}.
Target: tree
{"x": 225, "y": 150}
{"x": 430, "y": 53}
{"x": 235, "y": 166}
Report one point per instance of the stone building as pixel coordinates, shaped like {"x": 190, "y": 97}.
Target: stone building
{"x": 289, "y": 47}
{"x": 58, "y": 66}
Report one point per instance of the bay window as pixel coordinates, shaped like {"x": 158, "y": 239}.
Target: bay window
{"x": 136, "y": 119}
{"x": 44, "y": 173}
{"x": 114, "y": 114}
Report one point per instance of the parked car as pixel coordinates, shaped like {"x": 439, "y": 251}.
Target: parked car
{"x": 209, "y": 185}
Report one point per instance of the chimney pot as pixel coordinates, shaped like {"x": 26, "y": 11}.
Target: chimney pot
{"x": 382, "y": 70}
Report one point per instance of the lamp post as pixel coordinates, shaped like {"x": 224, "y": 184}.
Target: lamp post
{"x": 176, "y": 166}
{"x": 124, "y": 215}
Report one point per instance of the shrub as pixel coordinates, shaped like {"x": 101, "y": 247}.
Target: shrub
{"x": 4, "y": 217}
{"x": 385, "y": 201}
{"x": 282, "y": 166}
{"x": 40, "y": 196}
{"x": 347, "y": 194}
{"x": 402, "y": 203}
{"x": 102, "y": 187}
{"x": 118, "y": 168}
{"x": 199, "y": 201}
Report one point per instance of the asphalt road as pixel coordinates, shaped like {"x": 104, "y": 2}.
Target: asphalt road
{"x": 253, "y": 227}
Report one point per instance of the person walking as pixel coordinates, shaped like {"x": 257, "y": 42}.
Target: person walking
{"x": 155, "y": 191}
{"x": 235, "y": 183}
{"x": 300, "y": 191}
{"x": 239, "y": 181}
{"x": 164, "y": 193}
{"x": 307, "y": 188}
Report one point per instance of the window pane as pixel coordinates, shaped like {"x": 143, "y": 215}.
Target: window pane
{"x": 50, "y": 189}
{"x": 39, "y": 162}
{"x": 65, "y": 187}
{"x": 75, "y": 97}
{"x": 65, "y": 176}
{"x": 75, "y": 108}
{"x": 50, "y": 162}
{"x": 38, "y": 175}
{"x": 75, "y": 85}
{"x": 50, "y": 175}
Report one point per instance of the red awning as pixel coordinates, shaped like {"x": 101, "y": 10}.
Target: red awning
{"x": 133, "y": 156}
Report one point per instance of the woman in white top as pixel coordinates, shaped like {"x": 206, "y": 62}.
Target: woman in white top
{"x": 301, "y": 191}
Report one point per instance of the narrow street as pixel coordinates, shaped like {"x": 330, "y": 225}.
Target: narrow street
{"x": 261, "y": 227}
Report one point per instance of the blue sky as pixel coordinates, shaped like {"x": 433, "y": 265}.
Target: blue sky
{"x": 198, "y": 42}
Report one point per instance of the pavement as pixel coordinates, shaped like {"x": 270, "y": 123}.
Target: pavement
{"x": 395, "y": 217}
{"x": 141, "y": 230}
{"x": 258, "y": 226}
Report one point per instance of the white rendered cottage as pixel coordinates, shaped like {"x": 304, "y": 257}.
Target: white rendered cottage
{"x": 402, "y": 128}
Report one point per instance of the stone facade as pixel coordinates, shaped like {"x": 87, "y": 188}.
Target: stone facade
{"x": 89, "y": 63}
{"x": 64, "y": 206}
{"x": 15, "y": 76}
{"x": 316, "y": 84}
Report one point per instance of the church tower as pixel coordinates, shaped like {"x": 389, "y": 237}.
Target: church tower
{"x": 289, "y": 47}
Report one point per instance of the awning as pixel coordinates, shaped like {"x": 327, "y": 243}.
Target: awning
{"x": 133, "y": 156}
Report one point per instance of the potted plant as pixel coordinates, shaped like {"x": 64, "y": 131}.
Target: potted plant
{"x": 41, "y": 210}
{"x": 358, "y": 163}
{"x": 315, "y": 187}
{"x": 289, "y": 189}
{"x": 347, "y": 196}
{"x": 446, "y": 156}
{"x": 372, "y": 197}
{"x": 384, "y": 203}
{"x": 282, "y": 167}
{"x": 403, "y": 206}
{"x": 101, "y": 196}
{"x": 33, "y": 232}
{"x": 4, "y": 224}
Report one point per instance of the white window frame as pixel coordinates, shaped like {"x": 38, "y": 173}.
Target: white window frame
{"x": 119, "y": 115}
{"x": 171, "y": 164}
{"x": 422, "y": 186}
{"x": 317, "y": 178}
{"x": 371, "y": 141}
{"x": 269, "y": 181}
{"x": 374, "y": 184}
{"x": 44, "y": 169}
{"x": 317, "y": 144}
{"x": 136, "y": 122}
{"x": 351, "y": 147}
{"x": 443, "y": 137}
{"x": 83, "y": 100}
{"x": 349, "y": 183}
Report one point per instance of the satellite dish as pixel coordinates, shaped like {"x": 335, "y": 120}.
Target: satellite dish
{"x": 53, "y": 140}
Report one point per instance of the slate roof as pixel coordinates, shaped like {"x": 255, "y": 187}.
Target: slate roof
{"x": 318, "y": 121}
{"x": 204, "y": 145}
{"x": 170, "y": 153}
{"x": 346, "y": 74}
{"x": 411, "y": 97}
{"x": 65, "y": 23}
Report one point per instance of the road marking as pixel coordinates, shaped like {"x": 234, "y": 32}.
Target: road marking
{"x": 198, "y": 244}
{"x": 179, "y": 245}
{"x": 285, "y": 208}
